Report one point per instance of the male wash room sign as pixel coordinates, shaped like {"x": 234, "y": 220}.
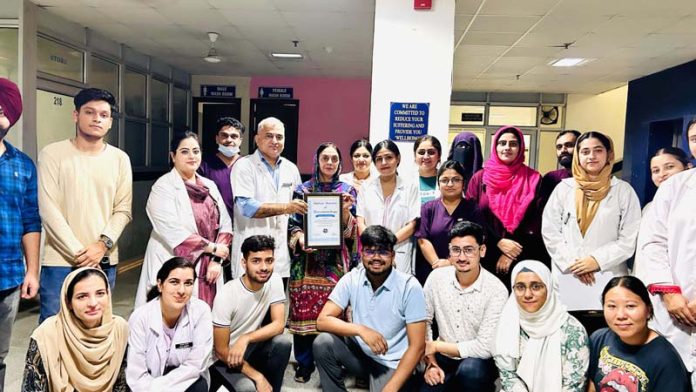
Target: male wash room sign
{"x": 408, "y": 121}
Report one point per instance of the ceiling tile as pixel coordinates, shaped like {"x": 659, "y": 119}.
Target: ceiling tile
{"x": 517, "y": 7}
{"x": 504, "y": 24}
{"x": 481, "y": 38}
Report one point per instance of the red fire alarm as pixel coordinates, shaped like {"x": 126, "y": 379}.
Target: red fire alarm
{"x": 422, "y": 4}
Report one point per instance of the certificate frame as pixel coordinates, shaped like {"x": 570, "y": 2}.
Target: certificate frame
{"x": 323, "y": 221}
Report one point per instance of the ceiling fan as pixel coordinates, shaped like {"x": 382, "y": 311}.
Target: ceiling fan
{"x": 213, "y": 56}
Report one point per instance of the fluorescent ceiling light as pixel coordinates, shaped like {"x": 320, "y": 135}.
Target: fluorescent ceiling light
{"x": 569, "y": 62}
{"x": 287, "y": 55}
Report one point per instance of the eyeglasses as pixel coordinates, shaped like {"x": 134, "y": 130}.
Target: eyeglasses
{"x": 536, "y": 288}
{"x": 383, "y": 253}
{"x": 454, "y": 180}
{"x": 431, "y": 152}
{"x": 270, "y": 136}
{"x": 468, "y": 251}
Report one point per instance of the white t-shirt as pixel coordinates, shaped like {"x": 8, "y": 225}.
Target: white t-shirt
{"x": 243, "y": 310}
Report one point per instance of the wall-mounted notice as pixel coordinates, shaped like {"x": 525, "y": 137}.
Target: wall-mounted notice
{"x": 214, "y": 91}
{"x": 408, "y": 121}
{"x": 275, "y": 92}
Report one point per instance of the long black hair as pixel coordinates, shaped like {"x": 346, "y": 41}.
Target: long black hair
{"x": 163, "y": 273}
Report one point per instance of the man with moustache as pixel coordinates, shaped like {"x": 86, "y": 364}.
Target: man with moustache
{"x": 466, "y": 302}
{"x": 565, "y": 145}
{"x": 85, "y": 195}
{"x": 251, "y": 357}
{"x": 386, "y": 337}
{"x": 263, "y": 184}
{"x": 20, "y": 227}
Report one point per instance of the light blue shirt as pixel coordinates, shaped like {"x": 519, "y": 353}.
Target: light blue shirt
{"x": 248, "y": 205}
{"x": 387, "y": 310}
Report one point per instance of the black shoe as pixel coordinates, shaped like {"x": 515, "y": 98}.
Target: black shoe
{"x": 362, "y": 382}
{"x": 303, "y": 374}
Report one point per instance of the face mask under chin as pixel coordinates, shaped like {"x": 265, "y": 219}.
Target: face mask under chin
{"x": 229, "y": 152}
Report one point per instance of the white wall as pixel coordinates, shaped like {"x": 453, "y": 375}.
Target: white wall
{"x": 412, "y": 62}
{"x": 604, "y": 112}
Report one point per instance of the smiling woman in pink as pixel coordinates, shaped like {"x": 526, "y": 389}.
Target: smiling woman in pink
{"x": 506, "y": 192}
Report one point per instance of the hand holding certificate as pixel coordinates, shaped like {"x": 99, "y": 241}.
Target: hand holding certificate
{"x": 323, "y": 220}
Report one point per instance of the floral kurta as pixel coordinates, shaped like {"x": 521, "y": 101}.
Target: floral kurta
{"x": 575, "y": 355}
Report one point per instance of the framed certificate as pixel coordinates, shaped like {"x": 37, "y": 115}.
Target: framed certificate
{"x": 322, "y": 224}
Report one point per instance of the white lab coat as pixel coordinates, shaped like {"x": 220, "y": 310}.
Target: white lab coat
{"x": 610, "y": 239}
{"x": 250, "y": 178}
{"x": 668, "y": 255}
{"x": 405, "y": 206}
{"x": 170, "y": 212}
{"x": 190, "y": 350}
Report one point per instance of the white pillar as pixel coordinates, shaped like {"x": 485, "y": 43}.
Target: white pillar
{"x": 412, "y": 63}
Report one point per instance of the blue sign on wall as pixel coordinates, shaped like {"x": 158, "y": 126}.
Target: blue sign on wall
{"x": 215, "y": 91}
{"x": 275, "y": 92}
{"x": 408, "y": 121}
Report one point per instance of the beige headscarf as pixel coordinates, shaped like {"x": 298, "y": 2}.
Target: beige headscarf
{"x": 591, "y": 189}
{"x": 76, "y": 358}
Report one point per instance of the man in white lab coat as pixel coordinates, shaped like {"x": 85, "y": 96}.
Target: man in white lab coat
{"x": 263, "y": 184}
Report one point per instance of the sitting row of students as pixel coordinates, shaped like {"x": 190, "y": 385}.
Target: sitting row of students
{"x": 174, "y": 342}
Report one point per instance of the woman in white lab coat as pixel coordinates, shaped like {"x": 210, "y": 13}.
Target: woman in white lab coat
{"x": 171, "y": 337}
{"x": 668, "y": 251}
{"x": 189, "y": 220}
{"x": 666, "y": 162}
{"x": 392, "y": 202}
{"x": 589, "y": 226}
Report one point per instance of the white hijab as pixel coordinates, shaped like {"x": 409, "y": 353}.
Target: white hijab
{"x": 539, "y": 366}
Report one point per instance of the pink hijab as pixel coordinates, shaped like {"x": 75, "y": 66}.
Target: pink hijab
{"x": 510, "y": 188}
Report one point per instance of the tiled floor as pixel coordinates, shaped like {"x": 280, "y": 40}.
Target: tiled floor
{"x": 123, "y": 302}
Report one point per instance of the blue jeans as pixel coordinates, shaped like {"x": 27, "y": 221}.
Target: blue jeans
{"x": 466, "y": 375}
{"x": 52, "y": 281}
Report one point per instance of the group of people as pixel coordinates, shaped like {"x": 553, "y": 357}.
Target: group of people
{"x": 469, "y": 273}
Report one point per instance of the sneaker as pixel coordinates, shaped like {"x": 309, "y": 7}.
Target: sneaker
{"x": 303, "y": 374}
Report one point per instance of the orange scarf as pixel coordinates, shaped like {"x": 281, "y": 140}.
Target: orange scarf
{"x": 591, "y": 190}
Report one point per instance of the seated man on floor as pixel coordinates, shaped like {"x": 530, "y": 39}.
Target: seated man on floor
{"x": 386, "y": 339}
{"x": 465, "y": 301}
{"x": 251, "y": 357}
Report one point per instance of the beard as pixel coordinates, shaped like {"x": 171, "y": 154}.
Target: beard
{"x": 3, "y": 133}
{"x": 566, "y": 160}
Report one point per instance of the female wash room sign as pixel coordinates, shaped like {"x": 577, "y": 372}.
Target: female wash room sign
{"x": 408, "y": 121}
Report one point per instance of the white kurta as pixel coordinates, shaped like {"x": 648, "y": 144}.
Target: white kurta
{"x": 668, "y": 248}
{"x": 610, "y": 239}
{"x": 190, "y": 350}
{"x": 171, "y": 214}
{"x": 251, "y": 178}
{"x": 403, "y": 208}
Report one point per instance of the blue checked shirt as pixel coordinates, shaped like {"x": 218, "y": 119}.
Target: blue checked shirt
{"x": 19, "y": 213}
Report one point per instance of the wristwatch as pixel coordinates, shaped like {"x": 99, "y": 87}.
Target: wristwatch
{"x": 107, "y": 242}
